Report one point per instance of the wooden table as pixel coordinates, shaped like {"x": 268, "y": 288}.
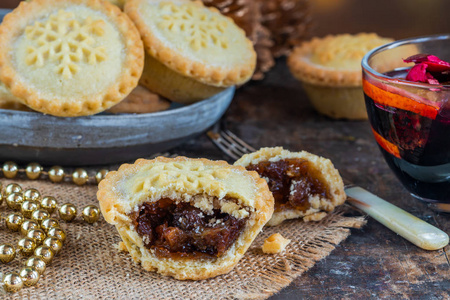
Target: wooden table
{"x": 373, "y": 262}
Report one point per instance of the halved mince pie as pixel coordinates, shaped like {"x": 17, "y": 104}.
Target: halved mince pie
{"x": 186, "y": 218}
{"x": 303, "y": 184}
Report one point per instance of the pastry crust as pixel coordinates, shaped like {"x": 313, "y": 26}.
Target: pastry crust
{"x": 70, "y": 58}
{"x": 119, "y": 3}
{"x": 140, "y": 101}
{"x": 329, "y": 175}
{"x": 8, "y": 101}
{"x": 172, "y": 85}
{"x": 275, "y": 243}
{"x": 197, "y": 181}
{"x": 194, "y": 41}
{"x": 333, "y": 61}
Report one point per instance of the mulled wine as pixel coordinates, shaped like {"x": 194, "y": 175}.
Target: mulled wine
{"x": 413, "y": 134}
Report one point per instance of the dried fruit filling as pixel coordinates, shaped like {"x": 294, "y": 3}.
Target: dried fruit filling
{"x": 177, "y": 229}
{"x": 291, "y": 182}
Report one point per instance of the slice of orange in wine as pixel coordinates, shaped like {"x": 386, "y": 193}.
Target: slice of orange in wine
{"x": 386, "y": 145}
{"x": 394, "y": 97}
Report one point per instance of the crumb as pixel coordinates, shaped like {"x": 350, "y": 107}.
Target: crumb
{"x": 315, "y": 217}
{"x": 122, "y": 247}
{"x": 275, "y": 243}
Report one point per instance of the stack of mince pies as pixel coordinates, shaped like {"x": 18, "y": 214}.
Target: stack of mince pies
{"x": 72, "y": 58}
{"x": 194, "y": 219}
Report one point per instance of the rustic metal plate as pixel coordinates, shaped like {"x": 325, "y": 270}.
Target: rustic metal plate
{"x": 103, "y": 139}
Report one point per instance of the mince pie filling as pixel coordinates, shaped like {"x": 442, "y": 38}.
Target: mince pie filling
{"x": 175, "y": 229}
{"x": 292, "y": 181}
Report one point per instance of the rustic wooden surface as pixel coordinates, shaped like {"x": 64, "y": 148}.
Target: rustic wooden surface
{"x": 373, "y": 262}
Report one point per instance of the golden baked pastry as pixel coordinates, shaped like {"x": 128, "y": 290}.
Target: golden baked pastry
{"x": 330, "y": 70}
{"x": 8, "y": 101}
{"x": 275, "y": 243}
{"x": 302, "y": 184}
{"x": 140, "y": 101}
{"x": 193, "y": 52}
{"x": 119, "y": 3}
{"x": 70, "y": 58}
{"x": 185, "y": 218}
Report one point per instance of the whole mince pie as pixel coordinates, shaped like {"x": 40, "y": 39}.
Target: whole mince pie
{"x": 192, "y": 52}
{"x": 69, "y": 58}
{"x": 303, "y": 184}
{"x": 186, "y": 218}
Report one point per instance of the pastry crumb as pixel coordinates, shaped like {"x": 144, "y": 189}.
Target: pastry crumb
{"x": 275, "y": 243}
{"x": 315, "y": 217}
{"x": 121, "y": 247}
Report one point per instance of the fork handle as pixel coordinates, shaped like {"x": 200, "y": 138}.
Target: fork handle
{"x": 415, "y": 230}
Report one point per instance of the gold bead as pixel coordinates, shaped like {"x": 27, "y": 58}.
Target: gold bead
{"x": 30, "y": 276}
{"x": 49, "y": 203}
{"x": 38, "y": 235}
{"x": 27, "y": 225}
{"x": 49, "y": 223}
{"x": 58, "y": 233}
{"x": 33, "y": 171}
{"x": 13, "y": 188}
{"x": 10, "y": 169}
{"x": 54, "y": 243}
{"x": 26, "y": 246}
{"x": 91, "y": 214}
{"x": 56, "y": 174}
{"x": 14, "y": 221}
{"x": 68, "y": 212}
{"x": 12, "y": 282}
{"x": 45, "y": 253}
{"x": 1, "y": 195}
{"x": 101, "y": 175}
{"x": 28, "y": 207}
{"x": 80, "y": 176}
{"x": 37, "y": 262}
{"x": 7, "y": 253}
{"x": 38, "y": 215}
{"x": 32, "y": 194}
{"x": 14, "y": 200}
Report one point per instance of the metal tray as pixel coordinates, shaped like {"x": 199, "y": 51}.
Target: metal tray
{"x": 104, "y": 139}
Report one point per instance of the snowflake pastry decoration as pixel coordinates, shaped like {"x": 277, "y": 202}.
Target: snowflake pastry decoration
{"x": 200, "y": 28}
{"x": 65, "y": 40}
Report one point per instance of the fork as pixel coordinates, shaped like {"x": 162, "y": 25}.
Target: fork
{"x": 415, "y": 230}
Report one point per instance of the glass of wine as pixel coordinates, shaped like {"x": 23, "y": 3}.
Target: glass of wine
{"x": 411, "y": 120}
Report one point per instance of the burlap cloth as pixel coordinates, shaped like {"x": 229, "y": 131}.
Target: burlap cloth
{"x": 91, "y": 267}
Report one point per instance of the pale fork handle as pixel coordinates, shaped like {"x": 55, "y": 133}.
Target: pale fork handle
{"x": 408, "y": 226}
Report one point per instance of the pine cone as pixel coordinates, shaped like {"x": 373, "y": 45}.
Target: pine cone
{"x": 289, "y": 21}
{"x": 246, "y": 14}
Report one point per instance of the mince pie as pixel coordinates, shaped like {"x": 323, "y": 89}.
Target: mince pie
{"x": 330, "y": 70}
{"x": 70, "y": 58}
{"x": 303, "y": 184}
{"x": 193, "y": 52}
{"x": 186, "y": 218}
{"x": 140, "y": 101}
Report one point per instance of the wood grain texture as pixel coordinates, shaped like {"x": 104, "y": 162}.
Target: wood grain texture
{"x": 373, "y": 262}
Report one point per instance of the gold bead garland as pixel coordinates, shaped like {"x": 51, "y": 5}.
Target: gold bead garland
{"x": 42, "y": 238}
{"x": 55, "y": 174}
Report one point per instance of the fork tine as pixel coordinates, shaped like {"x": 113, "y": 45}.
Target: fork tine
{"x": 232, "y": 145}
{"x": 237, "y": 140}
{"x": 219, "y": 142}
